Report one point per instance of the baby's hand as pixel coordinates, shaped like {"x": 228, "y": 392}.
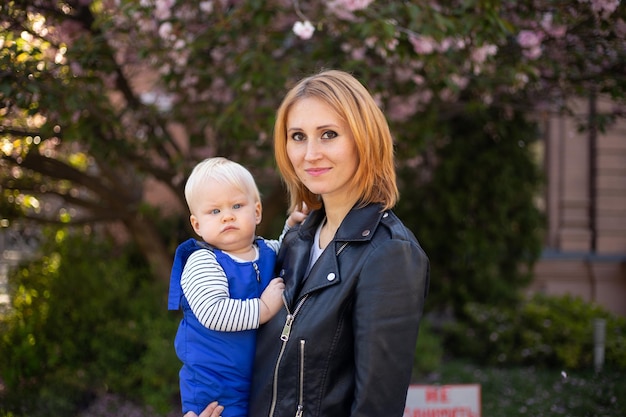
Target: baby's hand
{"x": 271, "y": 299}
{"x": 298, "y": 216}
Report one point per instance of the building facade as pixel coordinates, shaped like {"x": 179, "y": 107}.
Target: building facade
{"x": 585, "y": 205}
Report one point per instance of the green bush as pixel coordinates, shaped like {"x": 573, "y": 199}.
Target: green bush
{"x": 428, "y": 352}
{"x": 86, "y": 318}
{"x": 539, "y": 392}
{"x": 549, "y": 331}
{"x": 474, "y": 211}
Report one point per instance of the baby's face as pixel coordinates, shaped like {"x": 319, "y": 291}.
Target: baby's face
{"x": 225, "y": 216}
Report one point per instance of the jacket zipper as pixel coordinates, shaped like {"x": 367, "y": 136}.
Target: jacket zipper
{"x": 300, "y": 409}
{"x": 284, "y": 337}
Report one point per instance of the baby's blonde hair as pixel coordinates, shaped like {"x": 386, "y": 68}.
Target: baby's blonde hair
{"x": 223, "y": 170}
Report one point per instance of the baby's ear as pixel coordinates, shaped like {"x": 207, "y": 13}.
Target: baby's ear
{"x": 258, "y": 211}
{"x": 195, "y": 224}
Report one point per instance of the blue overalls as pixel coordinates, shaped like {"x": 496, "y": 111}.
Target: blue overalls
{"x": 218, "y": 365}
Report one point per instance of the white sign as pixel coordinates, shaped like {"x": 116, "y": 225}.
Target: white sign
{"x": 443, "y": 401}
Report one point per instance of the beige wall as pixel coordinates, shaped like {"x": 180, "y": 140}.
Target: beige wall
{"x": 585, "y": 203}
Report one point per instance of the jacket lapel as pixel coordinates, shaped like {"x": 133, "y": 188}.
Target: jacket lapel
{"x": 358, "y": 226}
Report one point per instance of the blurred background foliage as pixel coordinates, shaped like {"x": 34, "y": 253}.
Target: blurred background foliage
{"x": 103, "y": 102}
{"x": 86, "y": 319}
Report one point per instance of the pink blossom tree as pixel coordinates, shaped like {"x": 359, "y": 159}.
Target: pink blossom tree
{"x": 98, "y": 97}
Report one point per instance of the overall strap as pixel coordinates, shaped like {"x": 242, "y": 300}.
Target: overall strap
{"x": 183, "y": 252}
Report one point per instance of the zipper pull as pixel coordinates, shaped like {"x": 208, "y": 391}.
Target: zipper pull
{"x": 300, "y": 411}
{"x": 287, "y": 329}
{"x": 258, "y": 273}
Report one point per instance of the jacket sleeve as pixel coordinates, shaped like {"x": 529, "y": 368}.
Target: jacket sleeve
{"x": 389, "y": 303}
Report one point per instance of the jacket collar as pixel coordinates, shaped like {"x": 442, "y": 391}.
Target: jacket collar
{"x": 358, "y": 225}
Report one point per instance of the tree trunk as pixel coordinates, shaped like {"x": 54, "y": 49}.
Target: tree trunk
{"x": 150, "y": 243}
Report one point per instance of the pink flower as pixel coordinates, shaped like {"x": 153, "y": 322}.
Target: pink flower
{"x": 353, "y": 5}
{"x": 350, "y": 5}
{"x": 163, "y": 9}
{"x": 603, "y": 8}
{"x": 481, "y": 54}
{"x": 358, "y": 54}
{"x": 402, "y": 108}
{"x": 165, "y": 30}
{"x": 304, "y": 30}
{"x": 206, "y": 6}
{"x": 418, "y": 79}
{"x": 528, "y": 39}
{"x": 547, "y": 25}
{"x": 532, "y": 53}
{"x": 344, "y": 9}
{"x": 422, "y": 45}
{"x": 531, "y": 43}
{"x": 459, "y": 81}
{"x": 445, "y": 45}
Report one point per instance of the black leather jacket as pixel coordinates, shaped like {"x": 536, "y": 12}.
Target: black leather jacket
{"x": 344, "y": 344}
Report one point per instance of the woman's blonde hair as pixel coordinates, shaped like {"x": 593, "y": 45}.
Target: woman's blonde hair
{"x": 219, "y": 169}
{"x": 375, "y": 179}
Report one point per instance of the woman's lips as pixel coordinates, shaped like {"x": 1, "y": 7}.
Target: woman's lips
{"x": 316, "y": 172}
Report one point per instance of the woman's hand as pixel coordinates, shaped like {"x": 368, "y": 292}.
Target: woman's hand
{"x": 212, "y": 410}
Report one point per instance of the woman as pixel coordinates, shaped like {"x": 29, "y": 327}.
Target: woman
{"x": 355, "y": 277}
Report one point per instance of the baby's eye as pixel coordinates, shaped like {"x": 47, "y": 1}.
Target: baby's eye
{"x": 329, "y": 134}
{"x": 215, "y": 211}
{"x": 237, "y": 206}
{"x": 298, "y": 136}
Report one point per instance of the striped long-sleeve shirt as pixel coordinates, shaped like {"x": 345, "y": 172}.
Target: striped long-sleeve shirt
{"x": 205, "y": 286}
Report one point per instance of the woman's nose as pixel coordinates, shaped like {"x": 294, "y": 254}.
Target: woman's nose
{"x": 312, "y": 150}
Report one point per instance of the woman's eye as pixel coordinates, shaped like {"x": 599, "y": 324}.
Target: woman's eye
{"x": 329, "y": 135}
{"x": 298, "y": 136}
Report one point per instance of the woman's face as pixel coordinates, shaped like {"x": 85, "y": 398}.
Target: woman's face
{"x": 321, "y": 149}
